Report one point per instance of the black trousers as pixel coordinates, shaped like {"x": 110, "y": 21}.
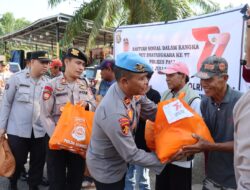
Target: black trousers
{"x": 120, "y": 185}
{"x": 174, "y": 178}
{"x": 65, "y": 170}
{"x": 20, "y": 148}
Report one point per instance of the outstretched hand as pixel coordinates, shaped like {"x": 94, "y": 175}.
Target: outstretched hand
{"x": 177, "y": 156}
{"x": 200, "y": 146}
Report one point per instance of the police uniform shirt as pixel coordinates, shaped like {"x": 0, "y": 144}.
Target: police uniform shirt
{"x": 112, "y": 143}
{"x": 57, "y": 93}
{"x": 4, "y": 77}
{"x": 20, "y": 108}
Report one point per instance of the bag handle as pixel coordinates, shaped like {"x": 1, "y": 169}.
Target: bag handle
{"x": 182, "y": 95}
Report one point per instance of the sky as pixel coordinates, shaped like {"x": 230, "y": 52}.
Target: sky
{"x": 33, "y": 10}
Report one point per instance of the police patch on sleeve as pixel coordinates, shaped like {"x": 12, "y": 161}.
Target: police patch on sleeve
{"x": 124, "y": 124}
{"x": 47, "y": 92}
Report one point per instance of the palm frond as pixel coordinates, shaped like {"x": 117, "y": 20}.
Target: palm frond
{"x": 53, "y": 3}
{"x": 115, "y": 12}
{"x": 207, "y": 6}
{"x": 107, "y": 9}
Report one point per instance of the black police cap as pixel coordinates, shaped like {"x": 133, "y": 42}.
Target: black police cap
{"x": 40, "y": 55}
{"x": 28, "y": 56}
{"x": 76, "y": 53}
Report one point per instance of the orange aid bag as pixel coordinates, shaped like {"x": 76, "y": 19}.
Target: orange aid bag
{"x": 73, "y": 130}
{"x": 172, "y": 133}
{"x": 7, "y": 160}
{"x": 150, "y": 135}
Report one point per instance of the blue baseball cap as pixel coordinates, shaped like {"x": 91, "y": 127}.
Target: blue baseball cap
{"x": 107, "y": 63}
{"x": 133, "y": 62}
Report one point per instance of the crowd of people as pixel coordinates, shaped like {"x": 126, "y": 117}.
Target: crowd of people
{"x": 117, "y": 157}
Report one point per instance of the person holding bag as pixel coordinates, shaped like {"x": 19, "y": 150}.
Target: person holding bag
{"x": 177, "y": 78}
{"x": 112, "y": 144}
{"x": 19, "y": 118}
{"x": 65, "y": 168}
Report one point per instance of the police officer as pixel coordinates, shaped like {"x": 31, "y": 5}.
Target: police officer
{"x": 19, "y": 117}
{"x": 66, "y": 168}
{"x": 4, "y": 75}
{"x": 28, "y": 60}
{"x": 112, "y": 144}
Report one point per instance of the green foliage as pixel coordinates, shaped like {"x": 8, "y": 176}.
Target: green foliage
{"x": 9, "y": 24}
{"x": 112, "y": 13}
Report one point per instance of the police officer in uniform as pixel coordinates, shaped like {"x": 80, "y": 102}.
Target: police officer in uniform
{"x": 112, "y": 143}
{"x": 4, "y": 75}
{"x": 65, "y": 168}
{"x": 27, "y": 60}
{"x": 19, "y": 118}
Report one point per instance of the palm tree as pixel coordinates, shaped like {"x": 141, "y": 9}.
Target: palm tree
{"x": 112, "y": 13}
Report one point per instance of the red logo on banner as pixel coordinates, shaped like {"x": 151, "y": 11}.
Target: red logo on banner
{"x": 215, "y": 42}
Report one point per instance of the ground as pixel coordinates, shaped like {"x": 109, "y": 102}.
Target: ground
{"x": 198, "y": 175}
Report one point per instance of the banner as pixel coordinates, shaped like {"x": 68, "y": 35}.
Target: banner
{"x": 189, "y": 41}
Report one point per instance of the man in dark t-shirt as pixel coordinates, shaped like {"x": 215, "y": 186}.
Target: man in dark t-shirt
{"x": 217, "y": 111}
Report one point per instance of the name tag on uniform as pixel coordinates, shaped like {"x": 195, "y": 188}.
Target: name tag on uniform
{"x": 83, "y": 92}
{"x": 176, "y": 111}
{"x": 24, "y": 85}
{"x": 61, "y": 94}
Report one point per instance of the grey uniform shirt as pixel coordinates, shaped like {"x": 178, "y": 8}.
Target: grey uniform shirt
{"x": 57, "y": 93}
{"x": 112, "y": 146}
{"x": 4, "y": 77}
{"x": 20, "y": 109}
{"x": 219, "y": 119}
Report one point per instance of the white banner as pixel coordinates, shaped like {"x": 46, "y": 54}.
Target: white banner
{"x": 189, "y": 41}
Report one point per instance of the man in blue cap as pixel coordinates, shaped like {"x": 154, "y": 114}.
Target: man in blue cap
{"x": 108, "y": 77}
{"x": 112, "y": 143}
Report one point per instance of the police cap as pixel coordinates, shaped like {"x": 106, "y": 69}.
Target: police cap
{"x": 76, "y": 53}
{"x": 28, "y": 56}
{"x": 41, "y": 56}
{"x": 133, "y": 62}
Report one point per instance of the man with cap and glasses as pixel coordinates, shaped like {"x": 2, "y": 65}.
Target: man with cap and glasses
{"x": 178, "y": 175}
{"x": 19, "y": 118}
{"x": 217, "y": 112}
{"x": 4, "y": 75}
{"x": 66, "y": 169}
{"x": 112, "y": 143}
